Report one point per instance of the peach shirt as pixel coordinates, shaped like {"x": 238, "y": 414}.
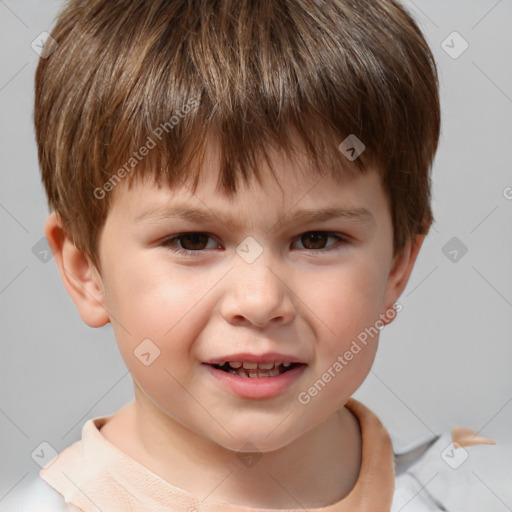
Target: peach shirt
{"x": 93, "y": 473}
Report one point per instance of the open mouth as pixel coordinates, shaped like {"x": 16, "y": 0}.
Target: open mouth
{"x": 254, "y": 370}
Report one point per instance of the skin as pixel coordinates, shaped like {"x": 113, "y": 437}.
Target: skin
{"x": 182, "y": 424}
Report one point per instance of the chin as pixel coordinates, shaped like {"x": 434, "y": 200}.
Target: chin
{"x": 260, "y": 436}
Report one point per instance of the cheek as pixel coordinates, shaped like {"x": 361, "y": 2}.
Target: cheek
{"x": 148, "y": 302}
{"x": 346, "y": 306}
{"x": 152, "y": 297}
{"x": 345, "y": 301}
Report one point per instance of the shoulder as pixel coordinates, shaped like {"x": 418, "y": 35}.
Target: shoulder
{"x": 37, "y": 496}
{"x": 440, "y": 474}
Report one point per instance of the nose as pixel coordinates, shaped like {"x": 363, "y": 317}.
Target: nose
{"x": 257, "y": 294}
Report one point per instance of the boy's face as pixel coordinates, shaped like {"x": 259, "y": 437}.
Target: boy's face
{"x": 264, "y": 284}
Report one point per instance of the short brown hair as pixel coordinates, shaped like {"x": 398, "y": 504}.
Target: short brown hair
{"x": 251, "y": 73}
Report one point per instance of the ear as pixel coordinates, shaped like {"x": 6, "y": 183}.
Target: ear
{"x": 81, "y": 279}
{"x": 401, "y": 269}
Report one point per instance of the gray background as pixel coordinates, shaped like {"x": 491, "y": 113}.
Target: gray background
{"x": 446, "y": 359}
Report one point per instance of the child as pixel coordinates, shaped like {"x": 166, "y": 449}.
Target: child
{"x": 294, "y": 139}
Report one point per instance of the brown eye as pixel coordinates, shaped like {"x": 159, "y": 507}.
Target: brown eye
{"x": 194, "y": 241}
{"x": 188, "y": 244}
{"x": 314, "y": 240}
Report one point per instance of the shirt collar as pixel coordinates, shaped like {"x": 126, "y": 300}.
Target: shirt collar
{"x": 93, "y": 473}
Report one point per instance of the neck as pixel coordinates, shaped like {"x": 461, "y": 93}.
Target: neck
{"x": 317, "y": 469}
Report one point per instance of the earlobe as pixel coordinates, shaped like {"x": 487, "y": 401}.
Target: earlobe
{"x": 399, "y": 274}
{"x": 78, "y": 275}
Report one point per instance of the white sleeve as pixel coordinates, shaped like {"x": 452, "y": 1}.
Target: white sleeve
{"x": 36, "y": 496}
{"x": 411, "y": 496}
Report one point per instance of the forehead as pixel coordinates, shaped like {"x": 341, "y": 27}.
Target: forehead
{"x": 294, "y": 195}
{"x": 295, "y": 185}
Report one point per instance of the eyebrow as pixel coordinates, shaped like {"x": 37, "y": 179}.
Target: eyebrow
{"x": 359, "y": 215}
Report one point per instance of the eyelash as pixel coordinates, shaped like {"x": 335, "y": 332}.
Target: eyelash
{"x": 170, "y": 243}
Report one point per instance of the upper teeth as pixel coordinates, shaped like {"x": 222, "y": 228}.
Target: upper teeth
{"x": 253, "y": 366}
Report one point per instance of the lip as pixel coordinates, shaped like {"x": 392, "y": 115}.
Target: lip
{"x": 256, "y": 388}
{"x": 245, "y": 357}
